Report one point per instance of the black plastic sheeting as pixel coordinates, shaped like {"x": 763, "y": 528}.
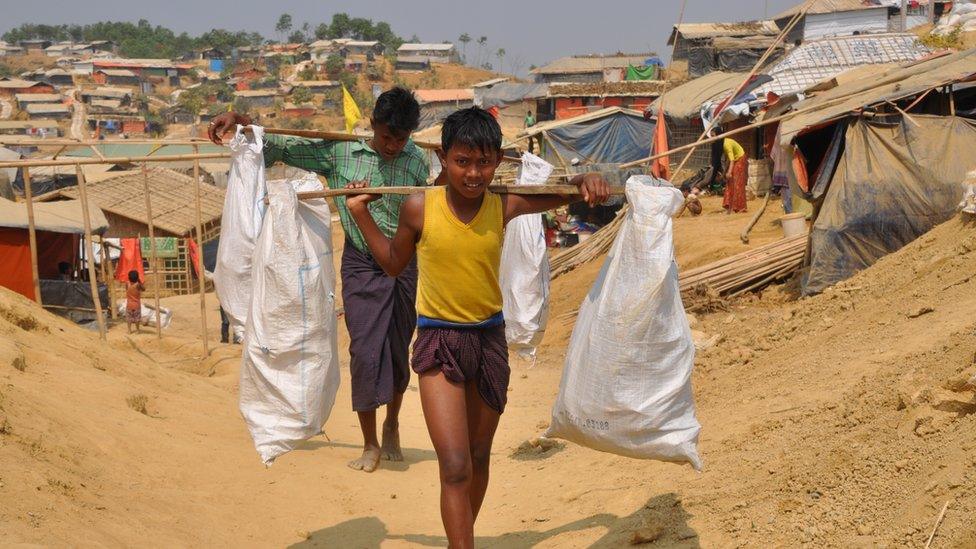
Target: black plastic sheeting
{"x": 73, "y": 293}
{"x": 738, "y": 60}
{"x": 613, "y": 139}
{"x": 701, "y": 61}
{"x": 892, "y": 184}
{"x": 506, "y": 93}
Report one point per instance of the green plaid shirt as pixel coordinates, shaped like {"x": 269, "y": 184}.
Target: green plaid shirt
{"x": 342, "y": 162}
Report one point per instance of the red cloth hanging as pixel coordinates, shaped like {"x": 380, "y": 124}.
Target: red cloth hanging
{"x": 661, "y": 167}
{"x": 194, "y": 255}
{"x": 130, "y": 260}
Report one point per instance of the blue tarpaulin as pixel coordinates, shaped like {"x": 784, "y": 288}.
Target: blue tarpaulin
{"x": 615, "y": 138}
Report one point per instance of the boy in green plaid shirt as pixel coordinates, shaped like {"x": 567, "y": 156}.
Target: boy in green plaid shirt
{"x": 379, "y": 310}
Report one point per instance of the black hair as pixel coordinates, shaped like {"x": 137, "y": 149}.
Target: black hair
{"x": 398, "y": 109}
{"x": 473, "y": 127}
{"x": 133, "y": 276}
{"x": 64, "y": 267}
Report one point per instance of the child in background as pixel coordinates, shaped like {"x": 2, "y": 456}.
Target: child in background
{"x": 133, "y": 301}
{"x": 460, "y": 353}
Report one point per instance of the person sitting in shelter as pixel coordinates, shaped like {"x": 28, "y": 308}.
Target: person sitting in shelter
{"x": 736, "y": 175}
{"x": 64, "y": 271}
{"x": 133, "y": 302}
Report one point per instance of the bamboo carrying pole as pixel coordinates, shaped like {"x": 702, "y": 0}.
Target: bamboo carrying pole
{"x": 89, "y": 249}
{"x": 566, "y": 190}
{"x": 200, "y": 277}
{"x": 332, "y": 136}
{"x": 112, "y": 160}
{"x": 152, "y": 249}
{"x": 32, "y": 235}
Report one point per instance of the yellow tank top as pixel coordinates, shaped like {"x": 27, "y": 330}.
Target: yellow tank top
{"x": 458, "y": 262}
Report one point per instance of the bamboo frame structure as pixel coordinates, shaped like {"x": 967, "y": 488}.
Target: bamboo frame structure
{"x": 569, "y": 190}
{"x": 152, "y": 249}
{"x": 112, "y": 160}
{"x": 32, "y": 235}
{"x": 92, "y": 278}
{"x": 200, "y": 277}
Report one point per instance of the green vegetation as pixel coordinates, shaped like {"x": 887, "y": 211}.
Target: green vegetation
{"x": 953, "y": 40}
{"x": 358, "y": 28}
{"x": 334, "y": 64}
{"x": 301, "y": 95}
{"x": 139, "y": 39}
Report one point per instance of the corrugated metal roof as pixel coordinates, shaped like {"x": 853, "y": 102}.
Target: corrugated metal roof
{"x": 424, "y": 47}
{"x": 711, "y": 30}
{"x": 574, "y": 64}
{"x": 24, "y": 124}
{"x": 439, "y": 96}
{"x": 117, "y": 72}
{"x": 17, "y": 83}
{"x": 819, "y": 60}
{"x": 37, "y": 97}
{"x": 830, "y": 6}
{"x": 42, "y": 108}
{"x": 256, "y": 93}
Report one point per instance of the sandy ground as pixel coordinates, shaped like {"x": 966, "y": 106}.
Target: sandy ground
{"x": 839, "y": 420}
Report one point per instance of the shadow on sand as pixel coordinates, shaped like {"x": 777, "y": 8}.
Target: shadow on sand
{"x": 664, "y": 514}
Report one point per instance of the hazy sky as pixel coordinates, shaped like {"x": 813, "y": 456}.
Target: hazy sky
{"x": 535, "y": 32}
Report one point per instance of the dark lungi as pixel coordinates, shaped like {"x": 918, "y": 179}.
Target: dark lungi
{"x": 465, "y": 354}
{"x": 380, "y": 316}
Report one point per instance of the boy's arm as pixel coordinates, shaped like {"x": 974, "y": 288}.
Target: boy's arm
{"x": 394, "y": 254}
{"x": 314, "y": 155}
{"x": 593, "y": 190}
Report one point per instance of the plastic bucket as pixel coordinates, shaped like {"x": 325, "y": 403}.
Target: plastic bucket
{"x": 793, "y": 224}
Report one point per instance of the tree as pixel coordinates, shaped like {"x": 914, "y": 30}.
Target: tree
{"x": 321, "y": 31}
{"x": 334, "y": 64}
{"x": 308, "y": 73}
{"x": 481, "y": 49}
{"x": 283, "y": 26}
{"x": 339, "y": 26}
{"x": 296, "y": 37}
{"x": 515, "y": 65}
{"x": 500, "y": 54}
{"x": 464, "y": 39}
{"x": 301, "y": 95}
{"x": 306, "y": 32}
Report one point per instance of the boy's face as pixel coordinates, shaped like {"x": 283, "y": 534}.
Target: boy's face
{"x": 469, "y": 169}
{"x": 388, "y": 143}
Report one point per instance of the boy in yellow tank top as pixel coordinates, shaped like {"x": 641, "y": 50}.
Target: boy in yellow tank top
{"x": 460, "y": 354}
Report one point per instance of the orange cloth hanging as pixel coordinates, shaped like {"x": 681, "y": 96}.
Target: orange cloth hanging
{"x": 661, "y": 167}
{"x": 130, "y": 260}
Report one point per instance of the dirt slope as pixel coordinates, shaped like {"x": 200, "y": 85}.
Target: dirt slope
{"x": 840, "y": 420}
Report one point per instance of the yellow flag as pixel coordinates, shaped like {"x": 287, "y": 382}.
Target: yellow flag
{"x": 350, "y": 109}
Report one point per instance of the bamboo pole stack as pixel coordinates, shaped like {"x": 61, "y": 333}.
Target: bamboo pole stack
{"x": 750, "y": 270}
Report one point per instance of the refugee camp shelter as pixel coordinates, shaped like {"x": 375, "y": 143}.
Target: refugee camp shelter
{"x": 59, "y": 229}
{"x": 9, "y": 87}
{"x": 827, "y": 18}
{"x": 728, "y": 47}
{"x": 569, "y": 100}
{"x": 48, "y": 111}
{"x": 613, "y": 135}
{"x": 513, "y": 100}
{"x": 116, "y": 77}
{"x": 40, "y": 128}
{"x": 880, "y": 178}
{"x": 590, "y": 68}
{"x": 436, "y": 105}
{"x": 432, "y": 53}
{"x": 818, "y": 60}
{"x": 123, "y": 202}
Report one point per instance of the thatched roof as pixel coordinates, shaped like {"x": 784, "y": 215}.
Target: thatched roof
{"x": 173, "y": 199}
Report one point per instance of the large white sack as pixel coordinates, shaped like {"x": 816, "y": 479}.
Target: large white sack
{"x": 240, "y": 225}
{"x": 290, "y": 371}
{"x": 626, "y": 384}
{"x": 524, "y": 275}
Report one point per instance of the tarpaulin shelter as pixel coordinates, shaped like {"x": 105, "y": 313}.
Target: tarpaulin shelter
{"x": 59, "y": 228}
{"x": 892, "y": 183}
{"x": 611, "y": 135}
{"x": 881, "y": 156}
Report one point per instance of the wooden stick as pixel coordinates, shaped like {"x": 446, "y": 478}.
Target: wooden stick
{"x": 97, "y": 152}
{"x": 67, "y": 142}
{"x": 106, "y": 276}
{"x": 200, "y": 277}
{"x": 92, "y": 279}
{"x": 112, "y": 160}
{"x": 938, "y": 521}
{"x": 332, "y": 136}
{"x": 152, "y": 248}
{"x": 32, "y": 235}
{"x": 744, "y": 236}
{"x": 571, "y": 190}
{"x": 903, "y": 113}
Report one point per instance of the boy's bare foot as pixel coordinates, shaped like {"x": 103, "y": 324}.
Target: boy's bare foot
{"x": 368, "y": 462}
{"x": 391, "y": 444}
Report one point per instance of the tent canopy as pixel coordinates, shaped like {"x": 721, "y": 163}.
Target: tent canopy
{"x": 684, "y": 102}
{"x": 56, "y": 217}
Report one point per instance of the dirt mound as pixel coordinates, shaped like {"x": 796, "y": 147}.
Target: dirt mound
{"x": 847, "y": 418}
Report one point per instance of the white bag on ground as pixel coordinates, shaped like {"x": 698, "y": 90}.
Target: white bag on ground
{"x": 290, "y": 371}
{"x": 148, "y": 314}
{"x": 524, "y": 276}
{"x": 626, "y": 385}
{"x": 240, "y": 225}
